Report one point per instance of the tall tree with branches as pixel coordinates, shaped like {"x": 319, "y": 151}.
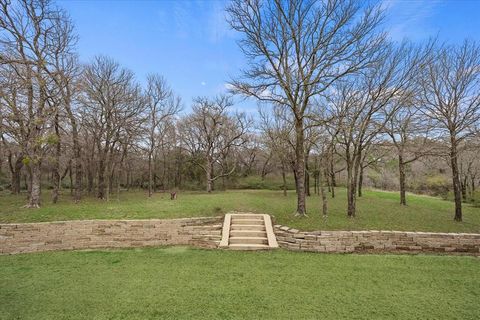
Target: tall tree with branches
{"x": 363, "y": 104}
{"x": 451, "y": 100}
{"x": 211, "y": 133}
{"x": 296, "y": 50}
{"x": 32, "y": 33}
{"x": 162, "y": 105}
{"x": 112, "y": 108}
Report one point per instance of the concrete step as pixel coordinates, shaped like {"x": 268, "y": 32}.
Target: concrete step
{"x": 248, "y": 240}
{"x": 245, "y": 215}
{"x": 248, "y": 221}
{"x": 248, "y": 233}
{"x": 252, "y": 227}
{"x": 248, "y": 247}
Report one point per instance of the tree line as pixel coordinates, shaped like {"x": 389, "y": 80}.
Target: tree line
{"x": 335, "y": 95}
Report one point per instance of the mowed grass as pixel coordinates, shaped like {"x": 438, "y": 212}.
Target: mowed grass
{"x": 377, "y": 210}
{"x": 183, "y": 283}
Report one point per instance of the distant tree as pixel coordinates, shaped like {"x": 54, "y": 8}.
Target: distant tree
{"x": 371, "y": 157}
{"x": 162, "y": 104}
{"x": 469, "y": 167}
{"x": 363, "y": 104}
{"x": 211, "y": 133}
{"x": 13, "y": 125}
{"x": 64, "y": 73}
{"x": 296, "y": 50}
{"x": 113, "y": 109}
{"x": 278, "y": 134}
{"x": 410, "y": 137}
{"x": 450, "y": 98}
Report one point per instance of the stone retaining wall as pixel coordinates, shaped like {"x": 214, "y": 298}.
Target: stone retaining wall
{"x": 206, "y": 233}
{"x": 377, "y": 241}
{"x": 69, "y": 235}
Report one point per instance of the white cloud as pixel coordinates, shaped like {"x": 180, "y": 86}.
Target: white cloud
{"x": 410, "y": 19}
{"x": 203, "y": 83}
{"x": 228, "y": 86}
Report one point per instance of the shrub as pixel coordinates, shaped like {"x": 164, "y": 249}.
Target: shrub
{"x": 437, "y": 185}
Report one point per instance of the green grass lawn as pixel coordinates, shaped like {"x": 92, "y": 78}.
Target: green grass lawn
{"x": 183, "y": 283}
{"x": 376, "y": 210}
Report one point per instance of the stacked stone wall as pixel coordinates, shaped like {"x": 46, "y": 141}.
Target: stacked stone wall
{"x": 377, "y": 241}
{"x": 90, "y": 234}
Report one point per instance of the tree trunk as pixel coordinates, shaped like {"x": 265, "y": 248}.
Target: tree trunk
{"x": 456, "y": 179}
{"x": 307, "y": 175}
{"x": 15, "y": 170}
{"x": 332, "y": 177}
{"x": 351, "y": 191}
{"x": 209, "y": 173}
{"x": 353, "y": 166}
{"x": 284, "y": 179}
{"x": 90, "y": 179}
{"x": 101, "y": 179}
{"x": 360, "y": 182}
{"x": 332, "y": 190}
{"x": 464, "y": 188}
{"x": 111, "y": 177}
{"x": 56, "y": 164}
{"x": 28, "y": 180}
{"x": 77, "y": 161}
{"x": 110, "y": 169}
{"x": 295, "y": 179}
{"x": 34, "y": 199}
{"x": 150, "y": 174}
{"x": 264, "y": 167}
{"x": 117, "y": 179}
{"x": 70, "y": 176}
{"x": 321, "y": 184}
{"x": 300, "y": 167}
{"x": 307, "y": 184}
{"x": 401, "y": 171}
{"x": 16, "y": 178}
{"x": 154, "y": 169}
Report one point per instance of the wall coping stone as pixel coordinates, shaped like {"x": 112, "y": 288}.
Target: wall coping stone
{"x": 109, "y": 220}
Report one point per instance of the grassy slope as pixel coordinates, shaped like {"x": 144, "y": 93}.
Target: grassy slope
{"x": 181, "y": 283}
{"x": 376, "y": 210}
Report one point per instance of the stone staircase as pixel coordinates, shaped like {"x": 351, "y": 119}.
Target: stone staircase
{"x": 248, "y": 231}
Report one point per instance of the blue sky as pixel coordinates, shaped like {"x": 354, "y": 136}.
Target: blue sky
{"x": 190, "y": 43}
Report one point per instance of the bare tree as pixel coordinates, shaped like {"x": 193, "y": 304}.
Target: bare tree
{"x": 296, "y": 50}
{"x": 210, "y": 133}
{"x": 162, "y": 104}
{"x": 14, "y": 123}
{"x": 29, "y": 34}
{"x": 363, "y": 105}
{"x": 112, "y": 108}
{"x": 410, "y": 136}
{"x": 451, "y": 100}
{"x": 64, "y": 74}
{"x": 278, "y": 133}
{"x": 469, "y": 167}
{"x": 371, "y": 157}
